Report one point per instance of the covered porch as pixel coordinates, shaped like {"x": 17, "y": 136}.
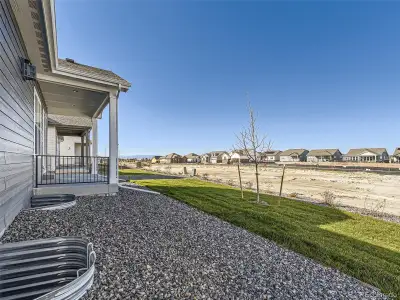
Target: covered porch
{"x": 76, "y": 94}
{"x": 70, "y": 162}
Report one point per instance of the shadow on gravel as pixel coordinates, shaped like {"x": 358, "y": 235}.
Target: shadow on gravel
{"x": 297, "y": 226}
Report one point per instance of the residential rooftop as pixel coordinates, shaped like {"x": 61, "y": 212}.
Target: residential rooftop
{"x": 322, "y": 152}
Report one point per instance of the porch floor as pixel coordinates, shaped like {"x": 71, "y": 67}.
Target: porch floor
{"x": 150, "y": 246}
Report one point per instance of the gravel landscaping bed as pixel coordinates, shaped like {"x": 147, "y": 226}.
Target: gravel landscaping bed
{"x": 153, "y": 247}
{"x": 367, "y": 212}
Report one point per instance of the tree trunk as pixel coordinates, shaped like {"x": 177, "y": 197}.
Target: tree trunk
{"x": 280, "y": 190}
{"x": 258, "y": 186}
{"x": 240, "y": 181}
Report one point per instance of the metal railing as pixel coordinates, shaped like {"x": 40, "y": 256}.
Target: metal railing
{"x": 61, "y": 169}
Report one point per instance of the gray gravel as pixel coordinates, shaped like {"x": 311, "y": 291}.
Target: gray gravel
{"x": 367, "y": 212}
{"x": 153, "y": 247}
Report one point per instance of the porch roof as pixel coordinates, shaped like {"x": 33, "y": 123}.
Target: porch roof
{"x": 77, "y": 68}
{"x": 322, "y": 152}
{"x": 70, "y": 125}
{"x": 360, "y": 151}
{"x": 293, "y": 152}
{"x": 68, "y": 87}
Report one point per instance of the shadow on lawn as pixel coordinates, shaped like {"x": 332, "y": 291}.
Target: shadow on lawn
{"x": 296, "y": 225}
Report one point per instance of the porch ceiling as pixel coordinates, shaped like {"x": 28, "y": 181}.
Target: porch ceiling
{"x": 70, "y": 130}
{"x": 71, "y": 101}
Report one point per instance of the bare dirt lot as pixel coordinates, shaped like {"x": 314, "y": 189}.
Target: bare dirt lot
{"x": 358, "y": 189}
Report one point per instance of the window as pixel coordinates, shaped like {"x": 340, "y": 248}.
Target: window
{"x": 39, "y": 125}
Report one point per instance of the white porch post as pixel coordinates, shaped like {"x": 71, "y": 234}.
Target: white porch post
{"x": 94, "y": 146}
{"x": 87, "y": 149}
{"x": 113, "y": 139}
{"x": 88, "y": 142}
{"x": 82, "y": 149}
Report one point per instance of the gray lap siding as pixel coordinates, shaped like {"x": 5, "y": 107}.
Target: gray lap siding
{"x": 16, "y": 122}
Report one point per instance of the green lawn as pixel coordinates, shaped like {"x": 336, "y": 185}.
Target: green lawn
{"x": 360, "y": 246}
{"x": 135, "y": 172}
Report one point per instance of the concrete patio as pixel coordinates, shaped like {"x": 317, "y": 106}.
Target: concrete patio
{"x": 154, "y": 247}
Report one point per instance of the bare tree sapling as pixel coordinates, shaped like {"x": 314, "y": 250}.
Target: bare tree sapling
{"x": 252, "y": 144}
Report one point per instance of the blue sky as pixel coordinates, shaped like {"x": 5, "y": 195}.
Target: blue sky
{"x": 320, "y": 74}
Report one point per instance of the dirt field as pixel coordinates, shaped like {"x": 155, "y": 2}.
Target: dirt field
{"x": 348, "y": 164}
{"x": 359, "y": 189}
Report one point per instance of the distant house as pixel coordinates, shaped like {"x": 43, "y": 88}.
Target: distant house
{"x": 155, "y": 160}
{"x": 367, "y": 155}
{"x": 239, "y": 156}
{"x": 172, "y": 158}
{"x": 193, "y": 158}
{"x": 205, "y": 158}
{"x": 396, "y": 156}
{"x": 321, "y": 155}
{"x": 271, "y": 156}
{"x": 216, "y": 157}
{"x": 293, "y": 155}
{"x": 226, "y": 158}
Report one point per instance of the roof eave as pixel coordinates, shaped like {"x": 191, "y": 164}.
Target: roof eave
{"x": 48, "y": 7}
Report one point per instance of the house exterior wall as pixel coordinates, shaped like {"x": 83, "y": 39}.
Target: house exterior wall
{"x": 303, "y": 156}
{"x": 68, "y": 146}
{"x": 320, "y": 158}
{"x": 70, "y": 150}
{"x": 350, "y": 158}
{"x": 368, "y": 157}
{"x": 16, "y": 123}
{"x": 193, "y": 160}
{"x": 272, "y": 158}
{"x": 205, "y": 159}
{"x": 287, "y": 158}
{"x": 216, "y": 159}
{"x": 51, "y": 140}
{"x": 237, "y": 158}
{"x": 384, "y": 157}
{"x": 337, "y": 156}
{"x": 173, "y": 160}
{"x": 226, "y": 158}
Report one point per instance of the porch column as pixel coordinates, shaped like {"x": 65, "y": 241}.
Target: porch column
{"x": 88, "y": 142}
{"x": 82, "y": 149}
{"x": 94, "y": 146}
{"x": 87, "y": 149}
{"x": 113, "y": 139}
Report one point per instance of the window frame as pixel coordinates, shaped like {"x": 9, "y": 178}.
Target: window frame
{"x": 39, "y": 125}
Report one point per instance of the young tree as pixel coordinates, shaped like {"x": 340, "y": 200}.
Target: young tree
{"x": 252, "y": 144}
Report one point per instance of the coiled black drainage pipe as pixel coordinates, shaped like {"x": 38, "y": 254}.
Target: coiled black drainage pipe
{"x": 57, "y": 201}
{"x": 57, "y": 268}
